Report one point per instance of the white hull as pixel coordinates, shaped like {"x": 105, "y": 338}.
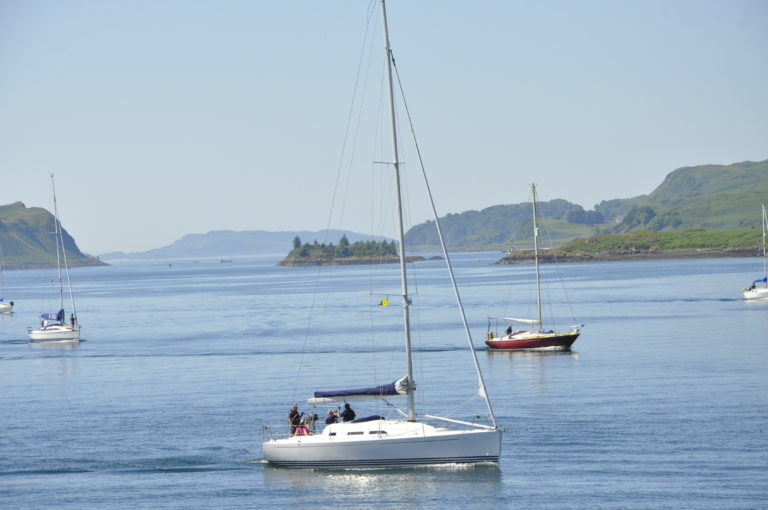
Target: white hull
{"x": 757, "y": 293}
{"x": 385, "y": 443}
{"x": 5, "y": 308}
{"x": 54, "y": 333}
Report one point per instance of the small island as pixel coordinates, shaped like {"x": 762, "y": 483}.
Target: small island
{"x": 648, "y": 245}
{"x": 357, "y": 253}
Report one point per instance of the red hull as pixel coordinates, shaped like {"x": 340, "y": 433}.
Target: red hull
{"x": 549, "y": 341}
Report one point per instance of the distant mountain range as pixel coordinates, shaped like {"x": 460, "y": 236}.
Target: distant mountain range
{"x": 710, "y": 197}
{"x": 27, "y": 240}
{"x": 230, "y": 243}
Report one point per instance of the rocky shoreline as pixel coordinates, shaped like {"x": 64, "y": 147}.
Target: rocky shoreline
{"x": 526, "y": 257}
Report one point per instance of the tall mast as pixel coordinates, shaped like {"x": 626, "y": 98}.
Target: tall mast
{"x": 400, "y": 231}
{"x": 57, "y": 233}
{"x": 61, "y": 255}
{"x": 536, "y": 257}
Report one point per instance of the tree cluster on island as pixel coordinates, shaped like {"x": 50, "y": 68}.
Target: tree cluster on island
{"x": 344, "y": 249}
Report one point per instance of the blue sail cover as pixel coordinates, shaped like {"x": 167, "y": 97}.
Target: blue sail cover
{"x": 763, "y": 279}
{"x": 399, "y": 387}
{"x": 381, "y": 390}
{"x": 58, "y": 316}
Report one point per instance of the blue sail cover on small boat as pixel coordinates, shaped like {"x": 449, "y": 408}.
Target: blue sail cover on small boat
{"x": 763, "y": 279}
{"x": 58, "y": 316}
{"x": 399, "y": 387}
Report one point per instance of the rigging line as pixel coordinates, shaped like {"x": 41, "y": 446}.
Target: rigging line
{"x": 481, "y": 382}
{"x": 333, "y": 198}
{"x": 559, "y": 274}
{"x": 64, "y": 253}
{"x": 360, "y": 102}
{"x": 448, "y": 412}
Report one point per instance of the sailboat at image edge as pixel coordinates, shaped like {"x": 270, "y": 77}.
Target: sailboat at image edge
{"x": 759, "y": 288}
{"x": 54, "y": 326}
{"x": 537, "y": 337}
{"x": 409, "y": 440}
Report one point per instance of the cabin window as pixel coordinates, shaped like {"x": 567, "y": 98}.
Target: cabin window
{"x": 358, "y": 433}
{"x": 380, "y": 432}
{"x": 331, "y": 433}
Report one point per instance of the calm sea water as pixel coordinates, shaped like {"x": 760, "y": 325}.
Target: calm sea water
{"x": 663, "y": 402}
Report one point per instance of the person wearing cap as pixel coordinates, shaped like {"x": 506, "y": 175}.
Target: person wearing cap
{"x": 294, "y": 418}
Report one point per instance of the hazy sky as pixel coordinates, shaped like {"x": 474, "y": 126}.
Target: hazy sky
{"x": 162, "y": 118}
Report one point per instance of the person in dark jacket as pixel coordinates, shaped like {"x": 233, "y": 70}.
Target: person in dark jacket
{"x": 294, "y": 418}
{"x": 332, "y": 417}
{"x": 347, "y": 414}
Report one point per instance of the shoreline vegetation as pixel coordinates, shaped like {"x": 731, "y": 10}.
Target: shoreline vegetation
{"x": 648, "y": 245}
{"x": 73, "y": 261}
{"x": 343, "y": 254}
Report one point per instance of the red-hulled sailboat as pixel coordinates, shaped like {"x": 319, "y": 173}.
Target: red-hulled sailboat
{"x": 537, "y": 337}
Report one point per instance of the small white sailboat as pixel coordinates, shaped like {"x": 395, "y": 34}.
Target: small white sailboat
{"x": 54, "y": 326}
{"x": 537, "y": 337}
{"x": 5, "y": 306}
{"x": 759, "y": 287}
{"x": 411, "y": 439}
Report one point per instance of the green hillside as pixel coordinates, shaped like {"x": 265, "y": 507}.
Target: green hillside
{"x": 714, "y": 197}
{"x": 500, "y": 226}
{"x": 27, "y": 240}
{"x": 711, "y": 197}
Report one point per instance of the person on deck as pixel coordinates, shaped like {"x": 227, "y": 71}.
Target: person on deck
{"x": 509, "y": 329}
{"x": 303, "y": 428}
{"x": 294, "y": 418}
{"x": 347, "y": 414}
{"x": 332, "y": 417}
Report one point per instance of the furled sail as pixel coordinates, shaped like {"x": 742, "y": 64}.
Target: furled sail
{"x": 399, "y": 387}
{"x": 532, "y": 322}
{"x": 57, "y": 316}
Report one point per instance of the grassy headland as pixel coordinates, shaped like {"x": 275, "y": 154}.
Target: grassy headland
{"x": 644, "y": 244}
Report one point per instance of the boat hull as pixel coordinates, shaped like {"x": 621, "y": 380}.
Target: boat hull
{"x": 757, "y": 293}
{"x": 54, "y": 333}
{"x": 425, "y": 446}
{"x": 544, "y": 341}
{"x": 6, "y": 308}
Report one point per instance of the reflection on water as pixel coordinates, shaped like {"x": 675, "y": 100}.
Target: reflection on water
{"x": 530, "y": 355}
{"x": 64, "y": 345}
{"x": 757, "y": 301}
{"x": 412, "y": 487}
{"x": 535, "y": 366}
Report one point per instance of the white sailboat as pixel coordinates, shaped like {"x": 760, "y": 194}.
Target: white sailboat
{"x": 412, "y": 438}
{"x": 759, "y": 288}
{"x": 5, "y": 306}
{"x": 537, "y": 337}
{"x": 54, "y": 326}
